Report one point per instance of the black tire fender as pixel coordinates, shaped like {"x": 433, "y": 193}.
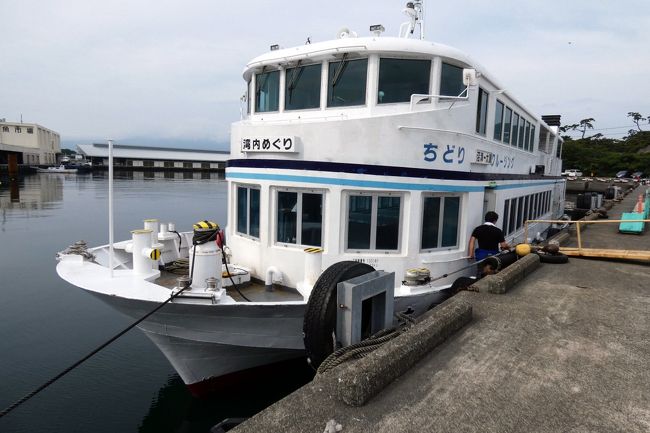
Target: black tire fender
{"x": 557, "y": 258}
{"x": 320, "y": 315}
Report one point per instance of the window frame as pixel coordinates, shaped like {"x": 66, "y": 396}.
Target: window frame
{"x": 406, "y": 59}
{"x": 373, "y": 221}
{"x": 441, "y": 217}
{"x": 507, "y": 120}
{"x": 248, "y": 188}
{"x": 463, "y": 86}
{"x": 329, "y": 90}
{"x": 482, "y": 105}
{"x": 299, "y": 215}
{"x": 498, "y": 120}
{"x": 258, "y": 89}
{"x": 287, "y": 73}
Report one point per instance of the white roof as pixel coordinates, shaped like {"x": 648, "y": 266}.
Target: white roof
{"x": 100, "y": 150}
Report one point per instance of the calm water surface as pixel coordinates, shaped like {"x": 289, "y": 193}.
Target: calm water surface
{"x": 46, "y": 324}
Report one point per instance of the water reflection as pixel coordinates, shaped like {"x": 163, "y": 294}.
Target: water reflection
{"x": 24, "y": 195}
{"x": 175, "y": 410}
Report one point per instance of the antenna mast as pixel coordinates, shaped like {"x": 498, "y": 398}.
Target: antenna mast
{"x": 415, "y": 11}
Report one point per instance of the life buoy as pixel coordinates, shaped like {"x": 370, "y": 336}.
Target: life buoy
{"x": 320, "y": 315}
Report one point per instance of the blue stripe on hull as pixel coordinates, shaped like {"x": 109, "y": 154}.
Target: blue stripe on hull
{"x": 382, "y": 170}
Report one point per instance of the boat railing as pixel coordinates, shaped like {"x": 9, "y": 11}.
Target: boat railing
{"x": 420, "y": 98}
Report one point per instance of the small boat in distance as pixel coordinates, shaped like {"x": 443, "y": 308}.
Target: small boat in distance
{"x": 353, "y": 154}
{"x": 60, "y": 169}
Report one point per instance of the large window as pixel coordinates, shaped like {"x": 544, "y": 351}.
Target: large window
{"x": 481, "y": 111}
{"x": 522, "y": 128}
{"x": 531, "y": 145}
{"x": 507, "y": 121}
{"x": 401, "y": 78}
{"x": 440, "y": 218}
{"x": 515, "y": 129}
{"x": 374, "y": 222}
{"x": 302, "y": 88}
{"x": 498, "y": 120}
{"x": 300, "y": 218}
{"x": 267, "y": 92}
{"x": 346, "y": 83}
{"x": 451, "y": 80}
{"x": 248, "y": 211}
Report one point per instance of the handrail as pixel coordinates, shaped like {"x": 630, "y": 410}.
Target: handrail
{"x": 577, "y": 223}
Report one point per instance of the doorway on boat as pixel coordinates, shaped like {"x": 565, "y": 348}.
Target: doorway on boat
{"x": 489, "y": 200}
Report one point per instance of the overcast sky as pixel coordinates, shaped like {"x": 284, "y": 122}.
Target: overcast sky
{"x": 170, "y": 71}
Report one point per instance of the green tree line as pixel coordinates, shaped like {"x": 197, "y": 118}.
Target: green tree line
{"x": 606, "y": 156}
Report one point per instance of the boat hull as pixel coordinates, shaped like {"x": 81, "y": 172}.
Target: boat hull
{"x": 213, "y": 346}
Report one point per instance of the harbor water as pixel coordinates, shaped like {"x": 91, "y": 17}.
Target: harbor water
{"x": 47, "y": 325}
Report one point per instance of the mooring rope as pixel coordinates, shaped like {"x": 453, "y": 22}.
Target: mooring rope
{"x": 76, "y": 364}
{"x": 367, "y": 346}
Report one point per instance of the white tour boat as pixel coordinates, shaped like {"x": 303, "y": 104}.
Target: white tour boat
{"x": 60, "y": 169}
{"x": 358, "y": 152}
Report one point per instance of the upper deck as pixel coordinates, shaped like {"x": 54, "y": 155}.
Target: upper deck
{"x": 345, "y": 98}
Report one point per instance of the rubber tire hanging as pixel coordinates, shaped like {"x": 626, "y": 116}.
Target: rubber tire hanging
{"x": 320, "y": 316}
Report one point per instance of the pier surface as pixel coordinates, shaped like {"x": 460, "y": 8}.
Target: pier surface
{"x": 566, "y": 349}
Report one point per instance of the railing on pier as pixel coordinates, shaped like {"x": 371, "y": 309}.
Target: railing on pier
{"x": 579, "y": 251}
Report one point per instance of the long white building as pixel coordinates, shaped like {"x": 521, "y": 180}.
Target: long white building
{"x": 146, "y": 157}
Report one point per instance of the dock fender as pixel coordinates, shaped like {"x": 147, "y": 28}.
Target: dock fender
{"x": 320, "y": 315}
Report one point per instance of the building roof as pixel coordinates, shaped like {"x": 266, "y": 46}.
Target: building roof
{"x": 100, "y": 150}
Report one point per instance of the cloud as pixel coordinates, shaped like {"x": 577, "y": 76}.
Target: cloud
{"x": 172, "y": 69}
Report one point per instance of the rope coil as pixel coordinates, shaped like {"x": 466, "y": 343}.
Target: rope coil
{"x": 367, "y": 346}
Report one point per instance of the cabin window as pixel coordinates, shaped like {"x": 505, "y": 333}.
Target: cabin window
{"x": 532, "y": 138}
{"x": 522, "y": 129}
{"x": 248, "y": 211}
{"x": 18, "y": 129}
{"x": 506, "y": 216}
{"x": 526, "y": 135}
{"x": 302, "y": 88}
{"x": 346, "y": 83}
{"x": 248, "y": 97}
{"x": 498, "y": 120}
{"x": 374, "y": 222}
{"x": 451, "y": 80}
{"x": 481, "y": 111}
{"x": 440, "y": 221}
{"x": 300, "y": 218}
{"x": 267, "y": 92}
{"x": 507, "y": 123}
{"x": 513, "y": 215}
{"x": 401, "y": 78}
{"x": 558, "y": 150}
{"x": 515, "y": 129}
{"x": 30, "y": 130}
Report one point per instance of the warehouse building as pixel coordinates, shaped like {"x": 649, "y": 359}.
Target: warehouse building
{"x": 153, "y": 158}
{"x": 27, "y": 144}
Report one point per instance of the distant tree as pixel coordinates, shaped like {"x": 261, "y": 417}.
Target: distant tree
{"x": 637, "y": 119}
{"x": 597, "y": 136}
{"x": 581, "y": 127}
{"x": 566, "y": 128}
{"x": 586, "y": 124}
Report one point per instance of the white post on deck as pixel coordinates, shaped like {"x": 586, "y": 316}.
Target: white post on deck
{"x": 110, "y": 205}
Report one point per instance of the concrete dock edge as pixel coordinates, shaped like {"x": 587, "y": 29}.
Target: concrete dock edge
{"x": 501, "y": 282}
{"x": 358, "y": 382}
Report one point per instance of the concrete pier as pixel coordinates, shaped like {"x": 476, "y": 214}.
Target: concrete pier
{"x": 565, "y": 349}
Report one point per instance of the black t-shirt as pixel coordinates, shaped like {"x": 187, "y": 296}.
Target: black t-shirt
{"x": 488, "y": 236}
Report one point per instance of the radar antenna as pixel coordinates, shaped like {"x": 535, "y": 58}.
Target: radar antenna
{"x": 415, "y": 11}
